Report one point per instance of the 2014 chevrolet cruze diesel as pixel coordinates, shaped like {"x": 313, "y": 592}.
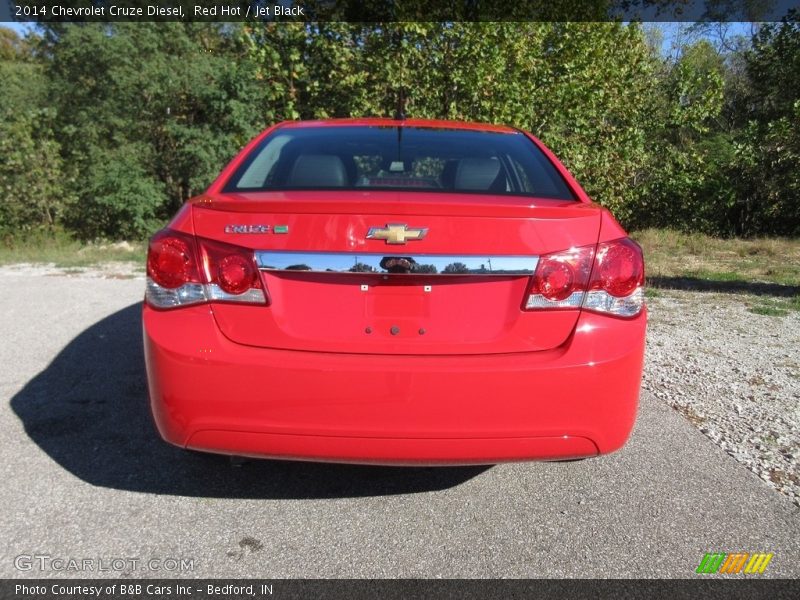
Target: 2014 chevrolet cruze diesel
{"x": 396, "y": 292}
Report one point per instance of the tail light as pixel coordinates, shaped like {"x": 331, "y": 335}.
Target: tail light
{"x": 560, "y": 279}
{"x": 182, "y": 270}
{"x": 617, "y": 285}
{"x": 607, "y": 279}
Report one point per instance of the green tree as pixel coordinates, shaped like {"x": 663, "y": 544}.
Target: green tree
{"x": 688, "y": 185}
{"x": 108, "y": 128}
{"x": 768, "y": 199}
{"x": 585, "y": 88}
{"x": 32, "y": 179}
{"x": 456, "y": 268}
{"x": 147, "y": 112}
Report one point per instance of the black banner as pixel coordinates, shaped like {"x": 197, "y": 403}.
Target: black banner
{"x": 33, "y": 11}
{"x": 484, "y": 589}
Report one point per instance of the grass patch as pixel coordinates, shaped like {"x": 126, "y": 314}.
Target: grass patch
{"x": 65, "y": 252}
{"x": 774, "y": 307}
{"x": 651, "y": 293}
{"x": 717, "y": 275}
{"x": 768, "y": 311}
{"x": 694, "y": 255}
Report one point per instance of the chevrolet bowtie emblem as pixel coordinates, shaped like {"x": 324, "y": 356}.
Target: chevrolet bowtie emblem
{"x": 396, "y": 233}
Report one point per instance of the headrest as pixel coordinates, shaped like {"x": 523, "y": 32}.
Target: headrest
{"x": 476, "y": 173}
{"x": 317, "y": 170}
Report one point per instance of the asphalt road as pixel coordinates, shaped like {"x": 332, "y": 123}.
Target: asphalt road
{"x": 85, "y": 476}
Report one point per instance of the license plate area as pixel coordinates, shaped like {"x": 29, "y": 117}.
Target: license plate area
{"x": 397, "y": 301}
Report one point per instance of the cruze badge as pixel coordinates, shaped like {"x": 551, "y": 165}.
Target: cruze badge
{"x": 396, "y": 233}
{"x": 256, "y": 229}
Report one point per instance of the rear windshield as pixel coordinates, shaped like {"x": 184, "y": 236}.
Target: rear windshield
{"x": 399, "y": 158}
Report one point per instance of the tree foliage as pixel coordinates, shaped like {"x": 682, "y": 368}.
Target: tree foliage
{"x": 769, "y": 148}
{"x": 147, "y": 114}
{"x": 32, "y": 178}
{"x": 106, "y": 129}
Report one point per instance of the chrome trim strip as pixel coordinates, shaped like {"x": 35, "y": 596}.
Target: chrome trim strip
{"x": 362, "y": 262}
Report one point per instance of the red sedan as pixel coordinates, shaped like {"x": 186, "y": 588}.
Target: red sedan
{"x": 396, "y": 292}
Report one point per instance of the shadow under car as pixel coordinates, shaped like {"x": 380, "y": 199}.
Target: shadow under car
{"x": 89, "y": 411}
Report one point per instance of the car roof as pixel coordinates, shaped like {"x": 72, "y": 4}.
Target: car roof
{"x": 384, "y": 122}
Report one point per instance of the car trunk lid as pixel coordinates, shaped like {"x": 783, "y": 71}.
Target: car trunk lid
{"x": 441, "y": 274}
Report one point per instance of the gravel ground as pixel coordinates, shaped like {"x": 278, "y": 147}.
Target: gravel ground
{"x": 734, "y": 374}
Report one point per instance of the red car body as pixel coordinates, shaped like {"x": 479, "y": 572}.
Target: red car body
{"x": 527, "y": 344}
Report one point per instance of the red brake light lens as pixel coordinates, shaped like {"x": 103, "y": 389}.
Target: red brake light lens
{"x": 232, "y": 268}
{"x": 171, "y": 260}
{"x": 558, "y": 277}
{"x": 619, "y": 267}
{"x": 556, "y": 280}
{"x": 236, "y": 274}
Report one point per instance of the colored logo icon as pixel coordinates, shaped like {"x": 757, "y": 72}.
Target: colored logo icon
{"x": 738, "y": 562}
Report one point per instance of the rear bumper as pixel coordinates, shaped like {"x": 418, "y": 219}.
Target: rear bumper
{"x": 208, "y": 393}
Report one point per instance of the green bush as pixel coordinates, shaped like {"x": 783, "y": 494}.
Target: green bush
{"x": 119, "y": 198}
{"x": 32, "y": 181}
